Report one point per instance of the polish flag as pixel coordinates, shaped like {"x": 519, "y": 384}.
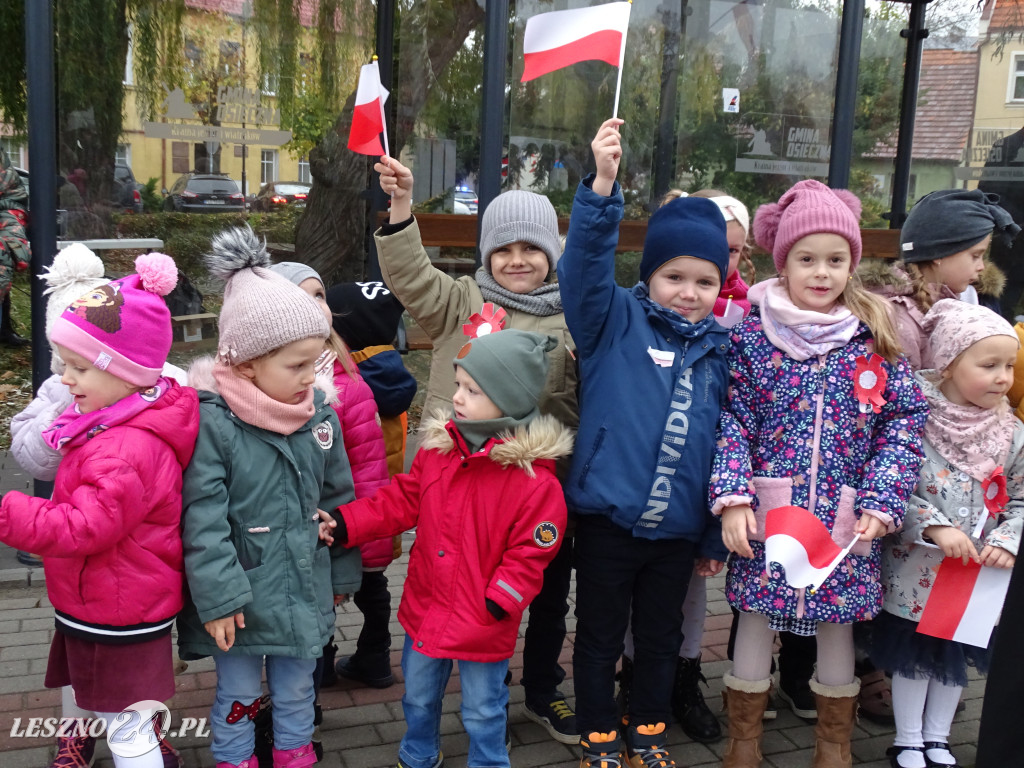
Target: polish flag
{"x": 802, "y": 545}
{"x": 368, "y": 118}
{"x": 561, "y": 38}
{"x": 965, "y": 602}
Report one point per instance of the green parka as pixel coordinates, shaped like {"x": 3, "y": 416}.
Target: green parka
{"x": 251, "y": 544}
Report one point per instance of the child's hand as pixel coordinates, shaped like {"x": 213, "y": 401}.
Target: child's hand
{"x": 327, "y": 525}
{"x": 953, "y": 542}
{"x": 396, "y": 180}
{"x": 738, "y": 525}
{"x": 870, "y": 528}
{"x": 707, "y": 567}
{"x": 339, "y": 599}
{"x": 223, "y": 630}
{"x": 607, "y": 149}
{"x": 997, "y": 557}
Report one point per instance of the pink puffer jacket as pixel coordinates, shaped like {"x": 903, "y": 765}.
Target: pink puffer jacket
{"x": 364, "y": 444}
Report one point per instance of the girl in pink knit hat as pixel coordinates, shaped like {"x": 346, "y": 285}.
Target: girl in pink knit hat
{"x": 824, "y": 415}
{"x": 109, "y": 536}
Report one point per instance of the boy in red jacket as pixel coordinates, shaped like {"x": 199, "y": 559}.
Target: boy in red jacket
{"x": 489, "y": 515}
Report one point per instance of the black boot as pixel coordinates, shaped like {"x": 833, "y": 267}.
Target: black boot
{"x": 7, "y": 334}
{"x": 698, "y": 721}
{"x": 625, "y": 678}
{"x": 373, "y": 670}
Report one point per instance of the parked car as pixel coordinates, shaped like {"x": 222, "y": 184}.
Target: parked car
{"x": 468, "y": 198}
{"x": 126, "y": 193}
{"x": 204, "y": 193}
{"x": 276, "y": 195}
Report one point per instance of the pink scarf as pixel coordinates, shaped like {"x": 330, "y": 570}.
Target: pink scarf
{"x": 801, "y": 333}
{"x": 974, "y": 440}
{"x": 73, "y": 428}
{"x": 253, "y": 406}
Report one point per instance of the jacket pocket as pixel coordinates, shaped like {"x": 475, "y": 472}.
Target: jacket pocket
{"x": 846, "y": 522}
{"x": 593, "y": 455}
{"x": 252, "y": 543}
{"x": 771, "y": 493}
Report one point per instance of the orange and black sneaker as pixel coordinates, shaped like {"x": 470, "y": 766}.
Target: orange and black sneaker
{"x": 645, "y": 747}
{"x": 601, "y": 750}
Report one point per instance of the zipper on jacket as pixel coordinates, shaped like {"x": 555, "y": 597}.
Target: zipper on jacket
{"x": 597, "y": 446}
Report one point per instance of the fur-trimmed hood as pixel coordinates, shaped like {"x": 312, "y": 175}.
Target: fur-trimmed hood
{"x": 884, "y": 277}
{"x": 200, "y": 376}
{"x": 991, "y": 281}
{"x": 543, "y": 438}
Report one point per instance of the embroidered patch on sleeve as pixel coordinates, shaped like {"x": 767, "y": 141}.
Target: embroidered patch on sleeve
{"x": 545, "y": 534}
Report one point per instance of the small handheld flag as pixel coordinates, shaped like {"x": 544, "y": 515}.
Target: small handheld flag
{"x": 802, "y": 545}
{"x": 964, "y": 602}
{"x": 731, "y": 315}
{"x": 368, "y": 117}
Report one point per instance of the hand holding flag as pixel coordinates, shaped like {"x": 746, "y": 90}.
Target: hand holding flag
{"x": 368, "y": 118}
{"x": 802, "y": 545}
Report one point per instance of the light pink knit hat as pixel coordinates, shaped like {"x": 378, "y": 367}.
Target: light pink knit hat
{"x": 955, "y": 325}
{"x": 807, "y": 208}
{"x": 123, "y": 327}
{"x": 262, "y": 311}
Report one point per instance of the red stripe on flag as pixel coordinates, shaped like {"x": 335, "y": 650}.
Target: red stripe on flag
{"x": 600, "y": 46}
{"x": 954, "y": 585}
{"x": 803, "y": 526}
{"x": 364, "y": 135}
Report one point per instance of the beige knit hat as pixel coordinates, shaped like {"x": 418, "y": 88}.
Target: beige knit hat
{"x": 262, "y": 311}
{"x": 75, "y": 270}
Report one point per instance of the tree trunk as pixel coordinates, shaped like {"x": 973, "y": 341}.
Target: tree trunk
{"x": 331, "y": 233}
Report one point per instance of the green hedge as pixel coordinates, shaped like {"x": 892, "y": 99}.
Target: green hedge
{"x": 187, "y": 236}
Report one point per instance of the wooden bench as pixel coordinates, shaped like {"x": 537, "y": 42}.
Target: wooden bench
{"x": 147, "y": 244}
{"x": 194, "y": 332}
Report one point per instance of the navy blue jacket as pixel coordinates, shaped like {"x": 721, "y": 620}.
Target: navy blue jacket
{"x": 392, "y": 385}
{"x": 647, "y": 433}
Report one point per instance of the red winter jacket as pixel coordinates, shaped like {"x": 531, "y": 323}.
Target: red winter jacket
{"x": 367, "y": 455}
{"x": 110, "y": 537}
{"x": 486, "y": 526}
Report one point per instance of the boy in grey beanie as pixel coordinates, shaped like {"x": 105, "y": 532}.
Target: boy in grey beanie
{"x": 489, "y": 515}
{"x": 519, "y": 247}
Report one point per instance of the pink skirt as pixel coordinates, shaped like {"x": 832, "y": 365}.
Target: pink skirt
{"x": 108, "y": 678}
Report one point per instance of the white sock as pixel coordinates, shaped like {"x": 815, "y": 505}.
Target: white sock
{"x": 911, "y": 758}
{"x": 938, "y": 718}
{"x": 752, "y": 655}
{"x": 908, "y": 699}
{"x": 835, "y": 654}
{"x": 69, "y": 708}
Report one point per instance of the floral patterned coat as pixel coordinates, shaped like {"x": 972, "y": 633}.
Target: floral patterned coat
{"x": 794, "y": 433}
{"x": 947, "y": 496}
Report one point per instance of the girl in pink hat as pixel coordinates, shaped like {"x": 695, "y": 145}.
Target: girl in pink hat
{"x": 824, "y": 415}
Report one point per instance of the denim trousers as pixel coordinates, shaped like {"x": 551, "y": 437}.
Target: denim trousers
{"x": 617, "y": 573}
{"x": 290, "y": 681}
{"x": 484, "y": 696}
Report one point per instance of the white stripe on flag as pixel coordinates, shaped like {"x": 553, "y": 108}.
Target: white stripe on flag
{"x": 558, "y": 28}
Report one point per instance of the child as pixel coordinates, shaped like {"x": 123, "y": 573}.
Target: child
{"x": 269, "y": 454}
{"x": 109, "y": 536}
{"x": 519, "y": 245}
{"x": 942, "y": 245}
{"x": 366, "y": 316}
{"x": 654, "y": 378}
{"x": 971, "y": 435}
{"x": 794, "y": 433}
{"x": 489, "y": 515}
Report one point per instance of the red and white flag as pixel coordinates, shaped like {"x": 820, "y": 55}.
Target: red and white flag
{"x": 368, "y": 118}
{"x": 561, "y": 38}
{"x": 965, "y": 602}
{"x": 802, "y": 545}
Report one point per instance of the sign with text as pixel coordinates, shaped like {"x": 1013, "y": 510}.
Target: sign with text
{"x": 791, "y": 145}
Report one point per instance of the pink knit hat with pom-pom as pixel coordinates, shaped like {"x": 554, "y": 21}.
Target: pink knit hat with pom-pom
{"x": 808, "y": 208}
{"x": 124, "y": 327}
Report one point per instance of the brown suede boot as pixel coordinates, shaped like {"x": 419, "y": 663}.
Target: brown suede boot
{"x": 744, "y": 701}
{"x": 837, "y": 713}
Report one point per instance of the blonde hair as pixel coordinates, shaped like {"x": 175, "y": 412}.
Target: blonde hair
{"x": 336, "y": 345}
{"x": 873, "y": 311}
{"x": 745, "y": 259}
{"x": 921, "y": 292}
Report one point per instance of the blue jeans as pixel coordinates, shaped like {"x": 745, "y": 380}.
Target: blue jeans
{"x": 290, "y": 682}
{"x": 484, "y": 696}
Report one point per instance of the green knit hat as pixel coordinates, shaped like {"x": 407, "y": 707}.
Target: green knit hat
{"x": 511, "y": 368}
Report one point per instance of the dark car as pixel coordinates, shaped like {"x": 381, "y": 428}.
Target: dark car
{"x": 126, "y": 194}
{"x": 276, "y": 195}
{"x": 204, "y": 193}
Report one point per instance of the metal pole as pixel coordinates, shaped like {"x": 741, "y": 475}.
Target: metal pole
{"x": 674, "y": 21}
{"x": 846, "y": 93}
{"x": 42, "y": 117}
{"x": 492, "y": 106}
{"x": 915, "y": 35}
{"x": 386, "y": 65}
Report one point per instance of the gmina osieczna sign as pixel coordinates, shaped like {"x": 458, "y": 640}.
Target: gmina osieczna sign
{"x": 234, "y": 105}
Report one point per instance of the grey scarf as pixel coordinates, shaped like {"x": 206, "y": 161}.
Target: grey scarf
{"x": 543, "y": 302}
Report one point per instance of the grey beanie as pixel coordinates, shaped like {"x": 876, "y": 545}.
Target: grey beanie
{"x": 294, "y": 272}
{"x": 952, "y": 220}
{"x": 520, "y": 216}
{"x": 511, "y": 368}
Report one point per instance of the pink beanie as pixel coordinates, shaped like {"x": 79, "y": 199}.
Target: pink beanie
{"x": 807, "y": 208}
{"x": 955, "y": 325}
{"x": 124, "y": 326}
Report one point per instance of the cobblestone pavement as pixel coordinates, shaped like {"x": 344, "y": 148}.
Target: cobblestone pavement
{"x": 362, "y": 727}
